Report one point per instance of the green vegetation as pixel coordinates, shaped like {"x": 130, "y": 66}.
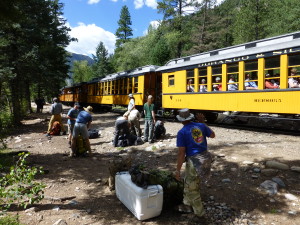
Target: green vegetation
{"x": 18, "y": 186}
{"x": 9, "y": 220}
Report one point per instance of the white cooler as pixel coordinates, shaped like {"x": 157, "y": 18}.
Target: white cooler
{"x": 143, "y": 203}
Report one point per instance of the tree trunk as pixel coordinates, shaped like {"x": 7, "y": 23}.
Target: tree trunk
{"x": 27, "y": 96}
{"x": 15, "y": 102}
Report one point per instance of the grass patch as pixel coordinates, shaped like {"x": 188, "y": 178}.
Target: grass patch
{"x": 8, "y": 219}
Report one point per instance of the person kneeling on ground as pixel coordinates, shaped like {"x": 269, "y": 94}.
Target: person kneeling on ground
{"x": 72, "y": 115}
{"x": 122, "y": 133}
{"x": 56, "y": 110}
{"x": 83, "y": 122}
{"x": 192, "y": 148}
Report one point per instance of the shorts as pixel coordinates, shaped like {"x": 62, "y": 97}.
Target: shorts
{"x": 80, "y": 128}
{"x": 70, "y": 128}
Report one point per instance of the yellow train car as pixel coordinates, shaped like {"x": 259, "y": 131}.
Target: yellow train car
{"x": 261, "y": 76}
{"x": 114, "y": 88}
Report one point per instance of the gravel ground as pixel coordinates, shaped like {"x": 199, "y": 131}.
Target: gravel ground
{"x": 77, "y": 190}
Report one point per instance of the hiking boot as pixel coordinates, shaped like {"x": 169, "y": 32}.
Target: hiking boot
{"x": 152, "y": 141}
{"x": 64, "y": 133}
{"x": 199, "y": 220}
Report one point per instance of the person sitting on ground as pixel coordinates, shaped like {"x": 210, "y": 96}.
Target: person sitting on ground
{"x": 72, "y": 115}
{"x": 159, "y": 129}
{"x": 190, "y": 87}
{"x": 293, "y": 83}
{"x": 217, "y": 87}
{"x": 232, "y": 86}
{"x": 250, "y": 85}
{"x": 134, "y": 119}
{"x": 269, "y": 84}
{"x": 203, "y": 86}
{"x": 82, "y": 124}
{"x": 56, "y": 110}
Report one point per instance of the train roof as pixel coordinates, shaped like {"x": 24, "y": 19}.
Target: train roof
{"x": 142, "y": 70}
{"x": 255, "y": 47}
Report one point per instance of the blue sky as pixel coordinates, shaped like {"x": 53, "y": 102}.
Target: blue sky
{"x": 93, "y": 21}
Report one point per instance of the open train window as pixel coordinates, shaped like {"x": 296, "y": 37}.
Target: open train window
{"x": 202, "y": 79}
{"x": 171, "y": 80}
{"x": 294, "y": 71}
{"x": 136, "y": 84}
{"x": 251, "y": 71}
{"x": 129, "y": 86}
{"x": 190, "y": 81}
{"x": 272, "y": 73}
{"x": 217, "y": 78}
{"x": 232, "y": 77}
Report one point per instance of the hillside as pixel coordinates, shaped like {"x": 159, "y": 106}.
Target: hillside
{"x": 79, "y": 57}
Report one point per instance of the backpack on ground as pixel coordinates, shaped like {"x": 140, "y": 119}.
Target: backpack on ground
{"x": 56, "y": 128}
{"x": 93, "y": 133}
{"x": 80, "y": 146}
{"x": 159, "y": 129}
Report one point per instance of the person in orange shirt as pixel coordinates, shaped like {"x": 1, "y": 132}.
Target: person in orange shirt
{"x": 269, "y": 84}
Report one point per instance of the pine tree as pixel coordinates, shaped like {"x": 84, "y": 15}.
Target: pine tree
{"x": 124, "y": 32}
{"x": 102, "y": 65}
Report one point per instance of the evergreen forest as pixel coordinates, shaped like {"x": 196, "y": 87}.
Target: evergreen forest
{"x": 33, "y": 37}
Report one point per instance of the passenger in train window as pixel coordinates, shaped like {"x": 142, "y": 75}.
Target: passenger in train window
{"x": 217, "y": 87}
{"x": 270, "y": 84}
{"x": 250, "y": 85}
{"x": 293, "y": 83}
{"x": 231, "y": 86}
{"x": 190, "y": 87}
{"x": 203, "y": 86}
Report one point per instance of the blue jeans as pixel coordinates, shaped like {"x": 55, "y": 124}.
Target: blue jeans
{"x": 148, "y": 133}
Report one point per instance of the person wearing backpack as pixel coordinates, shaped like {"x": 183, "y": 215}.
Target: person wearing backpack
{"x": 56, "y": 110}
{"x": 83, "y": 122}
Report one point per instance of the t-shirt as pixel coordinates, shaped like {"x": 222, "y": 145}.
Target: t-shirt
{"x": 56, "y": 108}
{"x": 250, "y": 84}
{"x": 148, "y": 109}
{"x": 134, "y": 114}
{"x": 84, "y": 117}
{"x": 130, "y": 104}
{"x": 73, "y": 113}
{"x": 232, "y": 87}
{"x": 193, "y": 137}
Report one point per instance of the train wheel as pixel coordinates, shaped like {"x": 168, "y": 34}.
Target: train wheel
{"x": 211, "y": 117}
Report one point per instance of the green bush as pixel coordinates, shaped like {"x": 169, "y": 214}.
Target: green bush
{"x": 5, "y": 125}
{"x": 9, "y": 220}
{"x": 18, "y": 186}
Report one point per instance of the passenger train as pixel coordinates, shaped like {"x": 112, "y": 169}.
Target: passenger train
{"x": 254, "y": 77}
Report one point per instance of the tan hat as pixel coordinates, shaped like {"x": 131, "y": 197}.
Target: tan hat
{"x": 150, "y": 96}
{"x": 130, "y": 95}
{"x": 89, "y": 109}
{"x": 184, "y": 115}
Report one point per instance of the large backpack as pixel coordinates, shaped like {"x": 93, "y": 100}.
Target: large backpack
{"x": 80, "y": 146}
{"x": 56, "y": 128}
{"x": 93, "y": 133}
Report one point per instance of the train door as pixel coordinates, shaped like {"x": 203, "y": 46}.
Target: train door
{"x": 153, "y": 86}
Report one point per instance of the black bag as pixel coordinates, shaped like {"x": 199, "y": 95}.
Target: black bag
{"x": 93, "y": 133}
{"x": 159, "y": 129}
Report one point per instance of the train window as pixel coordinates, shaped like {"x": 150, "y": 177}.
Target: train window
{"x": 217, "y": 78}
{"x": 113, "y": 86}
{"x": 251, "y": 69}
{"x": 294, "y": 71}
{"x": 202, "y": 79}
{"x": 232, "y": 77}
{"x": 136, "y": 84}
{"x": 171, "y": 80}
{"x": 125, "y": 86}
{"x": 130, "y": 86}
{"x": 190, "y": 81}
{"x": 272, "y": 73}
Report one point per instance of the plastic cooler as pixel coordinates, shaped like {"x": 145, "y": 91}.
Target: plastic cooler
{"x": 143, "y": 203}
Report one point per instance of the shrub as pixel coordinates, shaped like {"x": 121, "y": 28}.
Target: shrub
{"x": 18, "y": 186}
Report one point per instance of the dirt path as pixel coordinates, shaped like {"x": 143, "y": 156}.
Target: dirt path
{"x": 236, "y": 176}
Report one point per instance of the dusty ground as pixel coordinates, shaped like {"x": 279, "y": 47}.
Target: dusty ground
{"x": 85, "y": 178}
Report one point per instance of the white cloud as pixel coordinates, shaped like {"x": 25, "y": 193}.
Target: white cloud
{"x": 155, "y": 24}
{"x": 89, "y": 37}
{"x": 138, "y": 3}
{"x": 149, "y": 3}
{"x": 93, "y": 1}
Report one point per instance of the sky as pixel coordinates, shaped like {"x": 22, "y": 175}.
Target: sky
{"x": 92, "y": 21}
